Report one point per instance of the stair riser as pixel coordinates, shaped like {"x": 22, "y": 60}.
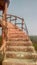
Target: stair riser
{"x": 9, "y": 63}
{"x": 13, "y": 36}
{"x": 20, "y": 49}
{"x": 21, "y": 56}
{"x": 19, "y": 44}
{"x": 17, "y": 33}
{"x": 20, "y": 39}
{"x": 12, "y": 64}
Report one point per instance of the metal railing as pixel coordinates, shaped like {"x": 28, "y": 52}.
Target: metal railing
{"x": 17, "y": 21}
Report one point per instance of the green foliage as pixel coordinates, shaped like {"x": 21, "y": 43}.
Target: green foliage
{"x": 35, "y": 45}
{"x": 34, "y": 40}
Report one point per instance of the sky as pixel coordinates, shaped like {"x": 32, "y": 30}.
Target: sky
{"x": 26, "y": 9}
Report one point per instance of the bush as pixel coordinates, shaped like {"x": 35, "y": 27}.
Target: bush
{"x": 34, "y": 40}
{"x": 35, "y": 45}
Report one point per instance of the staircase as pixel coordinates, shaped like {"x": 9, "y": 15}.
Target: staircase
{"x": 19, "y": 48}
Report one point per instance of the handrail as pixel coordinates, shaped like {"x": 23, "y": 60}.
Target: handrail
{"x": 9, "y": 16}
{"x": 14, "y": 18}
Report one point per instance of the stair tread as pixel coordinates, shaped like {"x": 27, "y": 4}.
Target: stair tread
{"x": 15, "y": 38}
{"x": 21, "y": 55}
{"x": 18, "y": 35}
{"x": 21, "y": 46}
{"x": 20, "y": 60}
{"x": 21, "y": 52}
{"x": 17, "y": 43}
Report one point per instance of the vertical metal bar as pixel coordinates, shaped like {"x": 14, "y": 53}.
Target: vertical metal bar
{"x": 15, "y": 20}
{"x": 26, "y": 29}
{"x": 10, "y": 18}
{"x": 22, "y": 23}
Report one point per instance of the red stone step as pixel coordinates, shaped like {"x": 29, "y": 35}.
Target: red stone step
{"x": 14, "y": 35}
{"x": 20, "y": 48}
{"x": 19, "y": 43}
{"x": 10, "y": 61}
{"x": 17, "y": 38}
{"x": 21, "y": 55}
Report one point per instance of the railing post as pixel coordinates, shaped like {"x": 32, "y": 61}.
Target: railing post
{"x": 5, "y": 31}
{"x": 22, "y": 23}
{"x": 15, "y": 20}
{"x": 10, "y": 18}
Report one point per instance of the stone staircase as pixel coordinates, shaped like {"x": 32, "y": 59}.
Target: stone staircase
{"x": 19, "y": 48}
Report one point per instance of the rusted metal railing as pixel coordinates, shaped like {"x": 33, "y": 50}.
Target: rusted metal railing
{"x": 13, "y": 19}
